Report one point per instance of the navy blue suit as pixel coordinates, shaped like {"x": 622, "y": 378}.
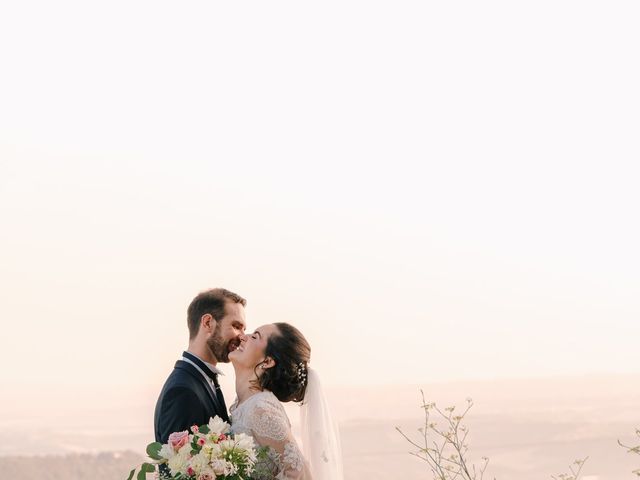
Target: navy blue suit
{"x": 186, "y": 399}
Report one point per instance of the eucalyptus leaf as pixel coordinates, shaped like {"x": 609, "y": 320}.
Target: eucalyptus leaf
{"x": 153, "y": 450}
{"x": 144, "y": 469}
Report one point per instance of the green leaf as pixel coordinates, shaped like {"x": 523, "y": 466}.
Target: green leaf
{"x": 144, "y": 469}
{"x": 131, "y": 474}
{"x": 204, "y": 429}
{"x": 153, "y": 450}
{"x": 194, "y": 444}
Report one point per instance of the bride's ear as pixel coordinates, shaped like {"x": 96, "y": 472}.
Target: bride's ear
{"x": 268, "y": 362}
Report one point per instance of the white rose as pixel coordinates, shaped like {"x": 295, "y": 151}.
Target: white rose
{"x": 218, "y": 426}
{"x": 167, "y": 451}
{"x": 244, "y": 441}
{"x": 178, "y": 463}
{"x": 199, "y": 463}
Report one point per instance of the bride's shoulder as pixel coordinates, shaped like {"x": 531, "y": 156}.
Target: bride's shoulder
{"x": 266, "y": 416}
{"x": 265, "y": 403}
{"x": 266, "y": 397}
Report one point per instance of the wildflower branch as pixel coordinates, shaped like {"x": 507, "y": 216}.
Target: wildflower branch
{"x": 575, "y": 471}
{"x": 445, "y": 449}
{"x": 635, "y": 450}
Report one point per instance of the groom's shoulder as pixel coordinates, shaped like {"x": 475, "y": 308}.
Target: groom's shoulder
{"x": 179, "y": 383}
{"x": 183, "y": 374}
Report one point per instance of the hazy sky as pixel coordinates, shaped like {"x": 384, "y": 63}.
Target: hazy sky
{"x": 429, "y": 190}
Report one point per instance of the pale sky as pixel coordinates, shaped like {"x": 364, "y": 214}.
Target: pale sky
{"x": 430, "y": 191}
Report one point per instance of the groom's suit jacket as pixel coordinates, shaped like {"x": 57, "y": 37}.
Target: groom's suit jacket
{"x": 186, "y": 399}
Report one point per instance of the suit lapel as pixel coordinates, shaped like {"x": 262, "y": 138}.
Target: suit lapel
{"x": 198, "y": 376}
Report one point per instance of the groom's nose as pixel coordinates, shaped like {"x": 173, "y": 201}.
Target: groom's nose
{"x": 242, "y": 337}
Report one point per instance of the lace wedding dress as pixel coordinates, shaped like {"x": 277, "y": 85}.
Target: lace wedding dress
{"x": 263, "y": 417}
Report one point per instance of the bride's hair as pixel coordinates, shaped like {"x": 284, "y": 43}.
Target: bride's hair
{"x": 287, "y": 379}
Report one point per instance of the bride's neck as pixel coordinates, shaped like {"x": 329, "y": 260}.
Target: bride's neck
{"x": 245, "y": 384}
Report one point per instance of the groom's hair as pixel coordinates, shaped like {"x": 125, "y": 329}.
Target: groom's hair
{"x": 211, "y": 302}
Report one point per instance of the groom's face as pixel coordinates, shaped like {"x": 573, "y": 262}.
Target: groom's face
{"x": 228, "y": 332}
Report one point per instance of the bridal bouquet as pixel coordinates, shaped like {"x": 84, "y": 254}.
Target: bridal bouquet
{"x": 209, "y": 452}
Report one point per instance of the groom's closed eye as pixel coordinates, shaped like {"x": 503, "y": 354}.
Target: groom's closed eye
{"x": 239, "y": 326}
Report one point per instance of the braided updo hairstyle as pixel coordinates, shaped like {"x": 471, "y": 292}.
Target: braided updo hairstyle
{"x": 287, "y": 379}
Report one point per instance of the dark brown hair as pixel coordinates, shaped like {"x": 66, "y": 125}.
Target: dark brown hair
{"x": 287, "y": 380}
{"x": 212, "y": 302}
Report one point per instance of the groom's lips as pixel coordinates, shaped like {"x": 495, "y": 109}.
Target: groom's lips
{"x": 233, "y": 346}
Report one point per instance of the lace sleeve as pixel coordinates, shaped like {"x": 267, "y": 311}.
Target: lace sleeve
{"x": 270, "y": 427}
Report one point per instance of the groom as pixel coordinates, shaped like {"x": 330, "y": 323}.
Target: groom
{"x": 191, "y": 395}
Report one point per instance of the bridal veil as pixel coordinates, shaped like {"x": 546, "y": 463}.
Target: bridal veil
{"x": 320, "y": 435}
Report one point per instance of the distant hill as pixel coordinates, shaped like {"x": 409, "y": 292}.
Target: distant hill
{"x": 529, "y": 428}
{"x": 101, "y": 466}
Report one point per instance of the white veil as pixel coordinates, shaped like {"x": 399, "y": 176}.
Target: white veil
{"x": 320, "y": 435}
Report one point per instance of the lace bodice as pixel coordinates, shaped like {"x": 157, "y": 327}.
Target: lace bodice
{"x": 263, "y": 417}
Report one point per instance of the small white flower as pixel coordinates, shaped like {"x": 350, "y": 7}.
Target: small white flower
{"x": 214, "y": 450}
{"x": 227, "y": 444}
{"x": 230, "y": 469}
{"x": 219, "y": 466}
{"x": 207, "y": 474}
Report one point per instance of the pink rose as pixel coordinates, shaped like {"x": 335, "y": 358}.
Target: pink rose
{"x": 178, "y": 439}
{"x": 195, "y": 429}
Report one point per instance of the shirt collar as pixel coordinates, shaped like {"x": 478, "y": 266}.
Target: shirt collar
{"x": 211, "y": 366}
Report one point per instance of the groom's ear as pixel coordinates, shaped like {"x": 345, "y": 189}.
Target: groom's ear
{"x": 208, "y": 322}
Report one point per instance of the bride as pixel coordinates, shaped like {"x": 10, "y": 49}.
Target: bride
{"x": 271, "y": 366}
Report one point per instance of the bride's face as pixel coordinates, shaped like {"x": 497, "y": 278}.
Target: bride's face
{"x": 252, "y": 347}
